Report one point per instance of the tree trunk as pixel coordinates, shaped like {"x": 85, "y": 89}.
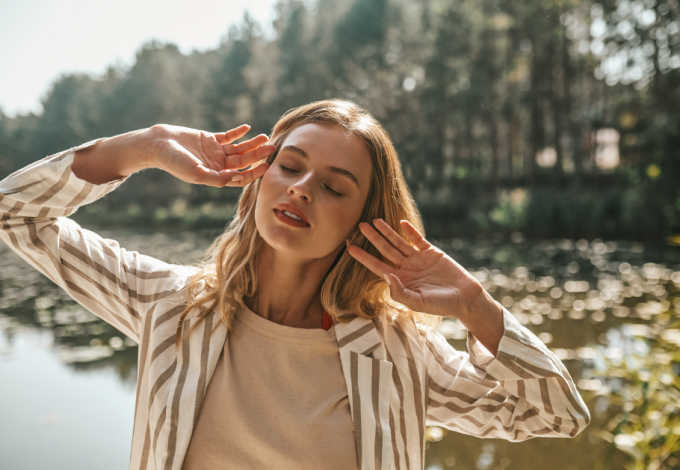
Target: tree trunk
{"x": 494, "y": 150}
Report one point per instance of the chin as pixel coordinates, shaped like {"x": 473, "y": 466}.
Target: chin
{"x": 303, "y": 243}
{"x": 285, "y": 241}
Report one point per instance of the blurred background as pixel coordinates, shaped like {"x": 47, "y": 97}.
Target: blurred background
{"x": 541, "y": 140}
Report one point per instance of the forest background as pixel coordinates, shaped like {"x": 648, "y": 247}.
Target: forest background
{"x": 520, "y": 119}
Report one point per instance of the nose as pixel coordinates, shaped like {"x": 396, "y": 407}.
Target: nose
{"x": 301, "y": 189}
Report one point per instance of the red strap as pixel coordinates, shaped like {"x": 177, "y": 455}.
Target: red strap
{"x": 327, "y": 321}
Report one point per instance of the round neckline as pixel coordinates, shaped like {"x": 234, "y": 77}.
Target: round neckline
{"x": 288, "y": 334}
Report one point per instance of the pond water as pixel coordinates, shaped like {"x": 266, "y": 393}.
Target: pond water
{"x": 68, "y": 378}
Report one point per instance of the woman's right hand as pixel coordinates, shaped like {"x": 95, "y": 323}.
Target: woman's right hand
{"x": 201, "y": 157}
{"x": 191, "y": 155}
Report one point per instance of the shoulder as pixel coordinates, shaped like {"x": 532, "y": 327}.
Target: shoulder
{"x": 405, "y": 333}
{"x": 167, "y": 287}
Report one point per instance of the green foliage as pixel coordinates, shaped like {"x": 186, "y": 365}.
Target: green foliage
{"x": 641, "y": 372}
{"x": 472, "y": 93}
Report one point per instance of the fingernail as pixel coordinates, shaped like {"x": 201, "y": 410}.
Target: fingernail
{"x": 237, "y": 178}
{"x": 347, "y": 242}
{"x": 387, "y": 279}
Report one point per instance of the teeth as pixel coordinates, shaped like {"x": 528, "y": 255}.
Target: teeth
{"x": 291, "y": 215}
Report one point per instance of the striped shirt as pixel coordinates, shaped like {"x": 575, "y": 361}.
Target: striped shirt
{"x": 400, "y": 376}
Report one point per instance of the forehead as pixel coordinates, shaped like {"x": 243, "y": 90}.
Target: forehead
{"x": 332, "y": 145}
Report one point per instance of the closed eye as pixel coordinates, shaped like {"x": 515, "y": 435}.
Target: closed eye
{"x": 334, "y": 193}
{"x": 328, "y": 188}
{"x": 290, "y": 170}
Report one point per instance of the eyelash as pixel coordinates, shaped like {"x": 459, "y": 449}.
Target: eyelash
{"x": 290, "y": 170}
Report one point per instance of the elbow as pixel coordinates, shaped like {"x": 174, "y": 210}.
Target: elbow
{"x": 573, "y": 426}
{"x": 584, "y": 420}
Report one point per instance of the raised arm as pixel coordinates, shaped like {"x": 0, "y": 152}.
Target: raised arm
{"x": 113, "y": 283}
{"x": 191, "y": 155}
{"x": 523, "y": 392}
{"x": 510, "y": 385}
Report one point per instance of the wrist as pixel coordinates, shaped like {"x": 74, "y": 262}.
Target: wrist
{"x": 114, "y": 157}
{"x": 481, "y": 310}
{"x": 485, "y": 322}
{"x": 136, "y": 149}
{"x": 133, "y": 151}
{"x": 148, "y": 155}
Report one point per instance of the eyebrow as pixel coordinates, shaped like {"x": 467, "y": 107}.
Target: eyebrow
{"x": 333, "y": 169}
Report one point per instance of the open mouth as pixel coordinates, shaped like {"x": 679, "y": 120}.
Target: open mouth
{"x": 290, "y": 219}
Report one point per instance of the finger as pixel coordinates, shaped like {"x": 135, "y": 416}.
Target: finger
{"x": 241, "y": 161}
{"x": 383, "y": 246}
{"x": 402, "y": 295}
{"x": 230, "y": 136}
{"x": 243, "y": 147}
{"x": 393, "y": 237}
{"x": 373, "y": 264}
{"x": 415, "y": 236}
{"x": 248, "y": 176}
{"x": 215, "y": 178}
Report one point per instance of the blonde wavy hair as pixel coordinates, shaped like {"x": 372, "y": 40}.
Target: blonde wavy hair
{"x": 229, "y": 271}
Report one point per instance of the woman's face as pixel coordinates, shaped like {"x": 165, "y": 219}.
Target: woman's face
{"x": 312, "y": 196}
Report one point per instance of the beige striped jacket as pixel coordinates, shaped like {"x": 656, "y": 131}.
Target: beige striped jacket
{"x": 400, "y": 376}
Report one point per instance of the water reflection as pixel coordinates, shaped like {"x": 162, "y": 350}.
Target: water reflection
{"x": 585, "y": 300}
{"x": 568, "y": 292}
{"x": 80, "y": 339}
{"x": 573, "y": 294}
{"x": 547, "y": 284}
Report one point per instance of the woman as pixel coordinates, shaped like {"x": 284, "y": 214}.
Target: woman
{"x": 239, "y": 365}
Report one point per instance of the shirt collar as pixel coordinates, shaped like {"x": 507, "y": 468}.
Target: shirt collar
{"x": 361, "y": 336}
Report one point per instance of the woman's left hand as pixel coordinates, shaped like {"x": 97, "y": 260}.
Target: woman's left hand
{"x": 425, "y": 279}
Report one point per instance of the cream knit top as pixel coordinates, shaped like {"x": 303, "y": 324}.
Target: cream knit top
{"x": 278, "y": 399}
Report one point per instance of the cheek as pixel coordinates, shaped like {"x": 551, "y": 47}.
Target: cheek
{"x": 266, "y": 182}
{"x": 341, "y": 220}
{"x": 269, "y": 188}
{"x": 273, "y": 184}
{"x": 263, "y": 196}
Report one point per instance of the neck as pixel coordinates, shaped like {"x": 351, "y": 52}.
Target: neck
{"x": 289, "y": 288}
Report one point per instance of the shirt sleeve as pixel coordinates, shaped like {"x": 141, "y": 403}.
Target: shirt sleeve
{"x": 117, "y": 285}
{"x": 523, "y": 392}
